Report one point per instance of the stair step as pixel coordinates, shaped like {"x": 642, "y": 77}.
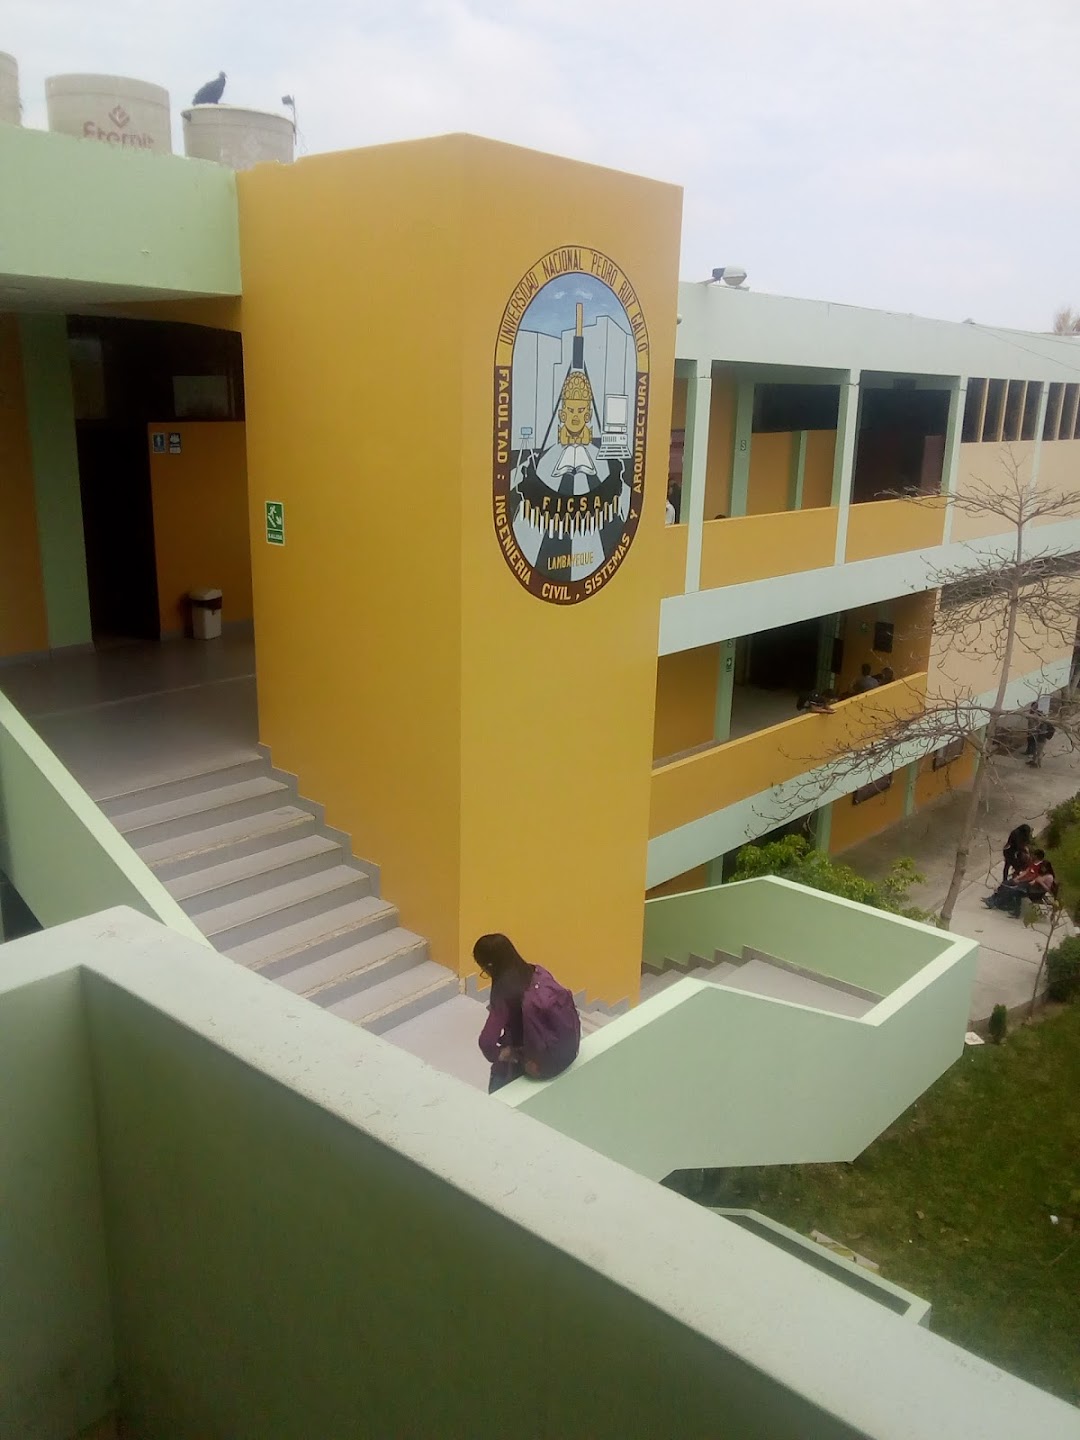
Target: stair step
{"x": 229, "y": 880}
{"x": 242, "y": 920}
{"x": 714, "y": 974}
{"x": 653, "y": 984}
{"x": 400, "y": 998}
{"x": 333, "y": 977}
{"x": 283, "y": 951}
{"x": 197, "y": 783}
{"x": 196, "y": 812}
{"x": 183, "y": 854}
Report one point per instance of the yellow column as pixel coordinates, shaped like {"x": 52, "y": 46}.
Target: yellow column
{"x": 461, "y": 665}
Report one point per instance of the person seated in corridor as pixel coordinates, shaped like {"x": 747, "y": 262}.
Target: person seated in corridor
{"x": 886, "y": 676}
{"x": 1034, "y": 883}
{"x": 819, "y": 701}
{"x": 540, "y": 1043}
{"x": 865, "y": 681}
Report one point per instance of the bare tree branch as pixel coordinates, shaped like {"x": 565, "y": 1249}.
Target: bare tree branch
{"x": 1012, "y": 606}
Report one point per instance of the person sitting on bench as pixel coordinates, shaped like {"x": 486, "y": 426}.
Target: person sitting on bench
{"x": 1034, "y": 884}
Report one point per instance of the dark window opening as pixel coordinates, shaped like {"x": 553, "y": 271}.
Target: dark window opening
{"x": 973, "y": 411}
{"x": 995, "y": 410}
{"x": 796, "y": 407}
{"x": 948, "y": 753}
{"x": 1014, "y": 409}
{"x": 875, "y": 787}
{"x": 901, "y": 443}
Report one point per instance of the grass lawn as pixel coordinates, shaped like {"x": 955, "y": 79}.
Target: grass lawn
{"x": 954, "y": 1202}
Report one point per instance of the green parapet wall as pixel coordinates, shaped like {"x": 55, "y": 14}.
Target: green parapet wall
{"x": 826, "y": 934}
{"x": 297, "y": 1230}
{"x": 83, "y": 221}
{"x": 59, "y": 851}
{"x": 50, "y": 420}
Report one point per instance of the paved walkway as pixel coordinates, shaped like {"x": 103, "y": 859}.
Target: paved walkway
{"x": 1009, "y": 953}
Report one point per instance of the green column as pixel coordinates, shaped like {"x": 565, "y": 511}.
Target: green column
{"x": 740, "y": 458}
{"x": 725, "y": 681}
{"x": 798, "y": 470}
{"x": 909, "y": 791}
{"x": 695, "y": 463}
{"x": 50, "y": 417}
{"x": 823, "y": 828}
{"x": 827, "y": 636}
{"x": 1040, "y": 421}
{"x": 954, "y": 430}
{"x": 847, "y": 429}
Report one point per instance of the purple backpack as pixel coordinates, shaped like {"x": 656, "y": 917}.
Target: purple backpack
{"x": 552, "y": 1027}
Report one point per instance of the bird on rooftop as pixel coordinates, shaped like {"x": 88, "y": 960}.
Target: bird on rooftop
{"x": 211, "y": 92}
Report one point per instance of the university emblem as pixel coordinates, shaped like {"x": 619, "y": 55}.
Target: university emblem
{"x": 571, "y": 409}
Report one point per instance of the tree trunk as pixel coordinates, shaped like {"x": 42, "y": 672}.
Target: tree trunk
{"x": 978, "y": 788}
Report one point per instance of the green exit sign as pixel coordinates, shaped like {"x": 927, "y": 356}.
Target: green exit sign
{"x": 275, "y": 522}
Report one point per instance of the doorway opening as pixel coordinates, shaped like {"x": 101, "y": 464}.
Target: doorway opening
{"x": 126, "y": 375}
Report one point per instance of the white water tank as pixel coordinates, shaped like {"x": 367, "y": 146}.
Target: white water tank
{"x": 127, "y": 114}
{"x": 10, "y": 108}
{"x": 235, "y": 137}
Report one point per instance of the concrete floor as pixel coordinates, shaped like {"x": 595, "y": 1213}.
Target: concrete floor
{"x": 129, "y": 715}
{"x": 1009, "y": 953}
{"x": 446, "y": 1037}
{"x": 754, "y": 709}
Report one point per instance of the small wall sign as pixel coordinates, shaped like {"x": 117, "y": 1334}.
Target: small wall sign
{"x": 157, "y": 442}
{"x": 275, "y": 522}
{"x": 174, "y": 442}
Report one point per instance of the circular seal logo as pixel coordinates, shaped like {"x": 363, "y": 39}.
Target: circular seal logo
{"x": 571, "y": 407}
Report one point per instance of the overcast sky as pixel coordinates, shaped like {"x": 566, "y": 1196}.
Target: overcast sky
{"x": 916, "y": 155}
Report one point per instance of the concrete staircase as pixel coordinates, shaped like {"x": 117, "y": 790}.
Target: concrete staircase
{"x": 274, "y": 889}
{"x": 757, "y": 973}
{"x": 270, "y": 886}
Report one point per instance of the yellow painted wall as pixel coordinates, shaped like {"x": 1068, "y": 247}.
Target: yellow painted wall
{"x": 1059, "y": 476}
{"x": 758, "y": 547}
{"x": 967, "y": 661}
{"x": 23, "y": 624}
{"x": 930, "y": 784}
{"x": 912, "y": 618}
{"x": 672, "y": 561}
{"x": 852, "y": 823}
{"x": 490, "y": 751}
{"x": 769, "y": 484}
{"x": 885, "y": 527}
{"x": 721, "y": 445}
{"x": 686, "y": 684}
{"x": 993, "y": 465}
{"x": 557, "y": 703}
{"x": 201, "y": 519}
{"x": 818, "y": 468}
{"x": 357, "y": 616}
{"x": 678, "y": 403}
{"x": 688, "y": 789}
{"x": 696, "y": 879}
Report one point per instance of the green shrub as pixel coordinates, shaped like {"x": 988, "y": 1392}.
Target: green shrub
{"x": 794, "y": 858}
{"x": 1063, "y": 970}
{"x": 999, "y": 1023}
{"x": 1060, "y": 819}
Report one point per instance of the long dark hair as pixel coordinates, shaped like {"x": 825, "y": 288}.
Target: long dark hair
{"x": 497, "y": 957}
